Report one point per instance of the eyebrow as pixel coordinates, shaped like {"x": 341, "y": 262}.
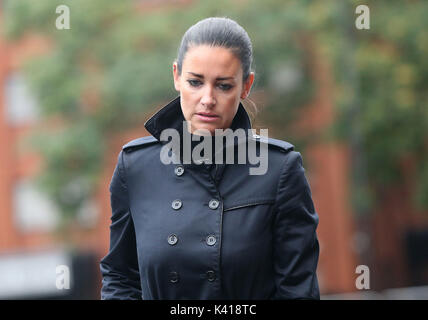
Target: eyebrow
{"x": 219, "y": 78}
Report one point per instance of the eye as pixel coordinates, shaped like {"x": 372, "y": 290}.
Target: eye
{"x": 194, "y": 83}
{"x": 225, "y": 87}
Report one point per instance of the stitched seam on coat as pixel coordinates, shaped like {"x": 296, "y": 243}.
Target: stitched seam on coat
{"x": 122, "y": 175}
{"x": 269, "y": 201}
{"x": 281, "y": 178}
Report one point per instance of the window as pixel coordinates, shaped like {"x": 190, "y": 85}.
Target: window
{"x": 34, "y": 211}
{"x": 21, "y": 107}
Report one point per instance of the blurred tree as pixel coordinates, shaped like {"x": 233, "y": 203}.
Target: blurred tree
{"x": 114, "y": 65}
{"x": 390, "y": 87}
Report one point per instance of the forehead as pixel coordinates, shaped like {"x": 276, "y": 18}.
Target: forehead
{"x": 208, "y": 60}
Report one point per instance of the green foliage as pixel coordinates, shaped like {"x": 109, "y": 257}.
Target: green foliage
{"x": 114, "y": 65}
{"x": 385, "y": 103}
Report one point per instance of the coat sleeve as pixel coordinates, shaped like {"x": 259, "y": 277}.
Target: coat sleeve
{"x": 296, "y": 247}
{"x": 119, "y": 268}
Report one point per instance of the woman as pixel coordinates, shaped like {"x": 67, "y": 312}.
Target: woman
{"x": 207, "y": 229}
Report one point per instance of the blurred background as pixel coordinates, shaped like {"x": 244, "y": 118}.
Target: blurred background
{"x": 353, "y": 101}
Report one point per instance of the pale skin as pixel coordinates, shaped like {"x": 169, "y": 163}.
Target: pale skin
{"x": 211, "y": 87}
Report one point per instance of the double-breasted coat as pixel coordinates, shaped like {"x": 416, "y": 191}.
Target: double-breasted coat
{"x": 189, "y": 231}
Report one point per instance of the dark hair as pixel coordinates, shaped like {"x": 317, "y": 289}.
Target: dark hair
{"x": 219, "y": 32}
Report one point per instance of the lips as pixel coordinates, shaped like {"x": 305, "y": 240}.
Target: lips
{"x": 206, "y": 116}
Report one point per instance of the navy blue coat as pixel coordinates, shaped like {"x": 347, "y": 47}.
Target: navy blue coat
{"x": 188, "y": 231}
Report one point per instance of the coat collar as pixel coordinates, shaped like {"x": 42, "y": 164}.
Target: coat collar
{"x": 171, "y": 117}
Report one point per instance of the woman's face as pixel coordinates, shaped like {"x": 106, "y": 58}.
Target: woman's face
{"x": 210, "y": 87}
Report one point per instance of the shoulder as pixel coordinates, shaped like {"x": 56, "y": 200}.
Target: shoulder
{"x": 282, "y": 154}
{"x": 280, "y": 145}
{"x": 275, "y": 144}
{"x": 139, "y": 143}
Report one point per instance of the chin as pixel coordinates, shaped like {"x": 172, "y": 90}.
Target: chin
{"x": 205, "y": 128}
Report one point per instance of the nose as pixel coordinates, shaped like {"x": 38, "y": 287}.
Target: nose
{"x": 208, "y": 98}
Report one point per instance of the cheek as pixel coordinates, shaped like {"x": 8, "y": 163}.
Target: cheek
{"x": 230, "y": 109}
{"x": 187, "y": 104}
{"x": 233, "y": 103}
{"x": 233, "y": 98}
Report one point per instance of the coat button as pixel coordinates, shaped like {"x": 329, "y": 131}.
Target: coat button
{"x": 173, "y": 277}
{"x": 172, "y": 239}
{"x": 213, "y": 204}
{"x": 210, "y": 275}
{"x": 179, "y": 170}
{"x": 211, "y": 240}
{"x": 176, "y": 204}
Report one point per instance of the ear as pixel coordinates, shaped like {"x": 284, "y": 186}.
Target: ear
{"x": 176, "y": 76}
{"x": 247, "y": 86}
